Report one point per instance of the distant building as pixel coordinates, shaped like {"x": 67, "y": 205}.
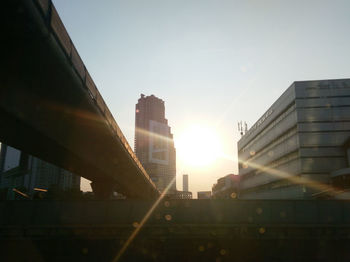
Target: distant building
{"x": 204, "y": 194}
{"x": 185, "y": 183}
{"x": 180, "y": 195}
{"x": 299, "y": 147}
{"x": 227, "y": 187}
{"x": 22, "y": 172}
{"x": 185, "y": 194}
{"x": 154, "y": 144}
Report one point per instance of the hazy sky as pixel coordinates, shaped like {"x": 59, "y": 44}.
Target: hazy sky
{"x": 212, "y": 62}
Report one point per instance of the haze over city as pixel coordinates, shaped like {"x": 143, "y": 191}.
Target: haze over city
{"x": 245, "y": 104}
{"x": 214, "y": 63}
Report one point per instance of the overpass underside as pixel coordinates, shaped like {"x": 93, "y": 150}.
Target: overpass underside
{"x": 51, "y": 108}
{"x": 177, "y": 230}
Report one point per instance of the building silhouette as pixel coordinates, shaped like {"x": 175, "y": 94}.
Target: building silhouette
{"x": 299, "y": 148}
{"x": 21, "y": 172}
{"x": 185, "y": 182}
{"x": 204, "y": 194}
{"x": 227, "y": 187}
{"x": 154, "y": 144}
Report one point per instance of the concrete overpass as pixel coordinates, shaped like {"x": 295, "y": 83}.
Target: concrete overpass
{"x": 177, "y": 230}
{"x": 51, "y": 108}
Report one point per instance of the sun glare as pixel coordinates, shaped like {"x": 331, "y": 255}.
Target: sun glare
{"x": 198, "y": 146}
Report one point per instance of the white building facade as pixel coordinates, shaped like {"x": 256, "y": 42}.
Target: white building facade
{"x": 294, "y": 149}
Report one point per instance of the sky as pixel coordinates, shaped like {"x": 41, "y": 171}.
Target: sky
{"x": 214, "y": 63}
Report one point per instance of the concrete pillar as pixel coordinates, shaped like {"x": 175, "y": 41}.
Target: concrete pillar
{"x": 103, "y": 190}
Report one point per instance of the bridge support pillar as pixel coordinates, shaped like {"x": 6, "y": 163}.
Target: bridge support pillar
{"x": 102, "y": 190}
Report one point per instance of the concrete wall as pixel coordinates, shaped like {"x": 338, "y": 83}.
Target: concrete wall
{"x": 125, "y": 212}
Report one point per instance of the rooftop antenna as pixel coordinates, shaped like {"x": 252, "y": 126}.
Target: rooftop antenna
{"x": 240, "y": 128}
{"x": 245, "y": 127}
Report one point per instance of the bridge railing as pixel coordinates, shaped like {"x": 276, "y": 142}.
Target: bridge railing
{"x": 56, "y": 26}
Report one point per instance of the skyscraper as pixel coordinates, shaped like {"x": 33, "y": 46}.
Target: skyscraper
{"x": 154, "y": 144}
{"x": 185, "y": 182}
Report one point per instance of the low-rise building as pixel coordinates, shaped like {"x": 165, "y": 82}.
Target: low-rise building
{"x": 204, "y": 194}
{"x": 181, "y": 195}
{"x": 227, "y": 187}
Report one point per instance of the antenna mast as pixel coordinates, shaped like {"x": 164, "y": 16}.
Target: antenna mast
{"x": 240, "y": 128}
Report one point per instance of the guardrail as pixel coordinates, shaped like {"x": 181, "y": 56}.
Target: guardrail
{"x": 58, "y": 30}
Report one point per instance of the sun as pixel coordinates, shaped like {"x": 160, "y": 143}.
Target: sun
{"x": 198, "y": 146}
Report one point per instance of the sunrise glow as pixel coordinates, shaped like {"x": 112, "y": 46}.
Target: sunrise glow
{"x": 198, "y": 146}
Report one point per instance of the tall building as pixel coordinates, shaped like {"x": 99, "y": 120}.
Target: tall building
{"x": 185, "y": 183}
{"x": 299, "y": 148}
{"x": 154, "y": 144}
{"x": 23, "y": 172}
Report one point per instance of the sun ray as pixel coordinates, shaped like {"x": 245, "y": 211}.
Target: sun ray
{"x": 143, "y": 221}
{"x": 285, "y": 175}
{"x": 293, "y": 178}
{"x": 155, "y": 135}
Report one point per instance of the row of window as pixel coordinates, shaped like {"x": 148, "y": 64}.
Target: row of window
{"x": 280, "y": 161}
{"x": 273, "y": 123}
{"x": 279, "y": 140}
{"x": 271, "y": 186}
{"x": 283, "y": 160}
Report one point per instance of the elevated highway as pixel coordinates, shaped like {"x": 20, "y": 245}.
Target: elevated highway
{"x": 51, "y": 108}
